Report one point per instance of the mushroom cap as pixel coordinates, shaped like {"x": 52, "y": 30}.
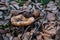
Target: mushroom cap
{"x": 20, "y": 20}
{"x": 36, "y": 13}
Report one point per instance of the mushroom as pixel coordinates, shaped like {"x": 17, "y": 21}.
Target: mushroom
{"x": 36, "y": 13}
{"x": 20, "y": 20}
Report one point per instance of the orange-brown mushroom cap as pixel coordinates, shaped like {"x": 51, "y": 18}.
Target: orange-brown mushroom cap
{"x": 20, "y": 20}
